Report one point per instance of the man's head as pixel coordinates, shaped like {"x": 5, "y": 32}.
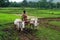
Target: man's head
{"x": 24, "y": 12}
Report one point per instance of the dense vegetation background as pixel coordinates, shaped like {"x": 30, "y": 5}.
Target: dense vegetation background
{"x": 43, "y": 4}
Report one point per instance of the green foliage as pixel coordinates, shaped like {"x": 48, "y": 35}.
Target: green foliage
{"x": 24, "y": 3}
{"x": 42, "y": 4}
{"x": 4, "y": 3}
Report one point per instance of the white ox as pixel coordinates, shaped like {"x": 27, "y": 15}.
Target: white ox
{"x": 34, "y": 22}
{"x": 19, "y": 24}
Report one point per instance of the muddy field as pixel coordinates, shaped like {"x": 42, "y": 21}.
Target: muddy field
{"x": 45, "y": 22}
{"x": 29, "y": 34}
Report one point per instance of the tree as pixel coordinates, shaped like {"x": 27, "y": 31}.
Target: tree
{"x": 43, "y": 4}
{"x": 4, "y": 3}
{"x": 50, "y": 1}
{"x": 58, "y": 5}
{"x": 24, "y": 3}
{"x": 7, "y": 3}
{"x": 50, "y": 4}
{"x": 44, "y": 1}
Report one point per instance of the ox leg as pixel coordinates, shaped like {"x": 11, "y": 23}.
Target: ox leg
{"x": 21, "y": 29}
{"x": 17, "y": 28}
{"x": 14, "y": 26}
{"x": 32, "y": 26}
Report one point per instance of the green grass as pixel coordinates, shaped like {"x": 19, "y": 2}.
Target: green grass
{"x": 6, "y": 18}
{"x": 56, "y": 23}
{"x": 42, "y": 33}
{"x": 11, "y": 34}
{"x": 32, "y": 12}
{"x": 7, "y": 15}
{"x": 47, "y": 34}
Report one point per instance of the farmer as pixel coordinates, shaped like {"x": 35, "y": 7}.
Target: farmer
{"x": 24, "y": 17}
